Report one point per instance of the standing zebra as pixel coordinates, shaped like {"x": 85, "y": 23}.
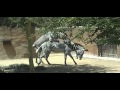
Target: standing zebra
{"x": 49, "y": 36}
{"x": 57, "y": 46}
{"x": 47, "y": 47}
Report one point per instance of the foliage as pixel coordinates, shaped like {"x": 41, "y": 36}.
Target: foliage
{"x": 101, "y": 30}
{"x": 106, "y": 29}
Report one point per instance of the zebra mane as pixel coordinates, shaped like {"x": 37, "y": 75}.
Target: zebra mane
{"x": 81, "y": 46}
{"x": 78, "y": 44}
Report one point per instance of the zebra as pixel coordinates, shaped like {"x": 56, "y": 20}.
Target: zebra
{"x": 47, "y": 47}
{"x": 79, "y": 50}
{"x": 49, "y": 36}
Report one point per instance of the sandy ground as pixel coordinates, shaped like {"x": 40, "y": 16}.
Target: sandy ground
{"x": 86, "y": 65}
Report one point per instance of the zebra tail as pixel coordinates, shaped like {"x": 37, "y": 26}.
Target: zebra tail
{"x": 38, "y": 54}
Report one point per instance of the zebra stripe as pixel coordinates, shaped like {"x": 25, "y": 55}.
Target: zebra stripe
{"x": 79, "y": 49}
{"x": 77, "y": 46}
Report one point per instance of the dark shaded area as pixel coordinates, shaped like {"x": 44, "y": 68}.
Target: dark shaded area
{"x": 10, "y": 50}
{"x": 71, "y": 69}
{"x": 56, "y": 68}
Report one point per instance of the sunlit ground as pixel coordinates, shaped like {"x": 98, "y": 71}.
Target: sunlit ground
{"x": 86, "y": 65}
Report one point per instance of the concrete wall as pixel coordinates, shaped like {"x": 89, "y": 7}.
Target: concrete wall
{"x": 18, "y": 46}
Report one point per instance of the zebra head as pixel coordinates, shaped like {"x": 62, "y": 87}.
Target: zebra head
{"x": 78, "y": 46}
{"x": 68, "y": 42}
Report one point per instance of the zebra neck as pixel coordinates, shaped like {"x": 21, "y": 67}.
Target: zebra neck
{"x": 70, "y": 46}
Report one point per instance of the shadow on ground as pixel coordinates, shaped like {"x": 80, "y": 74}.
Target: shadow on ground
{"x": 56, "y": 68}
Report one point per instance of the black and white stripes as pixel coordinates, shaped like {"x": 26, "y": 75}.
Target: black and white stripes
{"x": 79, "y": 49}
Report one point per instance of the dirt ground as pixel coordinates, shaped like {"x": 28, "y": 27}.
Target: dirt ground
{"x": 86, "y": 65}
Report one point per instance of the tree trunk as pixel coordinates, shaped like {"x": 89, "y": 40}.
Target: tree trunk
{"x": 100, "y": 50}
{"x": 32, "y": 31}
{"x": 29, "y": 38}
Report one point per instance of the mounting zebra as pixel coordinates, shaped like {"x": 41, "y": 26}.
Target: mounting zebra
{"x": 47, "y": 47}
{"x": 49, "y": 36}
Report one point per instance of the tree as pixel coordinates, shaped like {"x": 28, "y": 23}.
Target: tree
{"x": 28, "y": 34}
{"x": 27, "y": 22}
{"x": 106, "y": 29}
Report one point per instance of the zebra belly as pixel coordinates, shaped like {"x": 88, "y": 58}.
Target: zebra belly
{"x": 57, "y": 50}
{"x": 58, "y": 47}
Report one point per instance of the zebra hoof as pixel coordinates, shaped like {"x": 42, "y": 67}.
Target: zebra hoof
{"x": 38, "y": 64}
{"x": 75, "y": 63}
{"x": 65, "y": 64}
{"x": 49, "y": 63}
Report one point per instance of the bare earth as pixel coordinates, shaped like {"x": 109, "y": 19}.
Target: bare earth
{"x": 86, "y": 65}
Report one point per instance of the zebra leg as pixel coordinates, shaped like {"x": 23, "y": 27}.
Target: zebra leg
{"x": 38, "y": 54}
{"x": 72, "y": 58}
{"x": 40, "y": 57}
{"x": 76, "y": 55}
{"x": 46, "y": 57}
{"x": 36, "y": 60}
{"x": 65, "y": 57}
{"x": 40, "y": 61}
{"x": 81, "y": 55}
{"x": 80, "y": 58}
